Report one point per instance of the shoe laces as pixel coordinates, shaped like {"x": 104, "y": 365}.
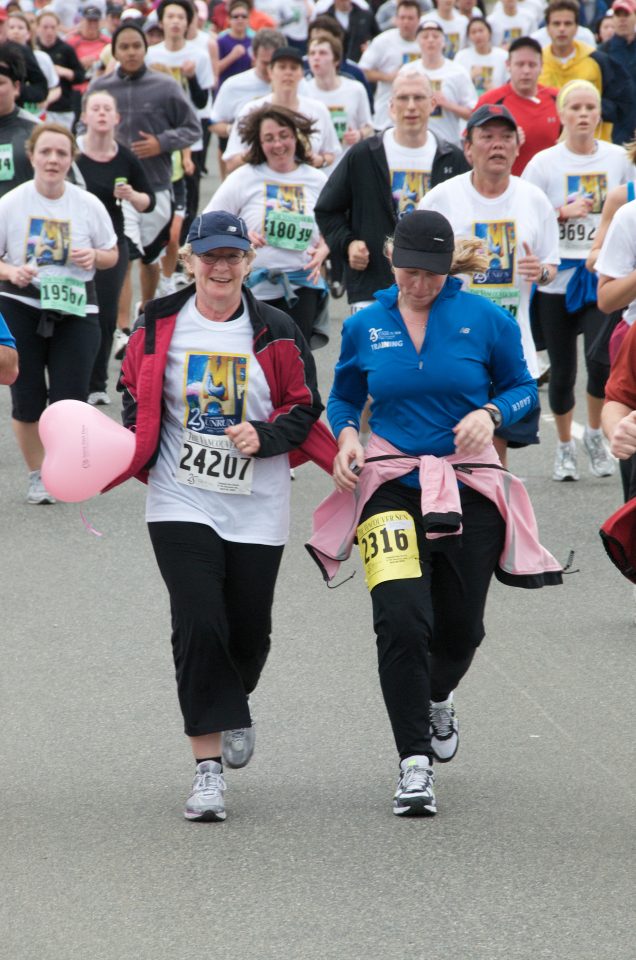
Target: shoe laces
{"x": 416, "y": 779}
{"x": 238, "y": 738}
{"x": 209, "y": 784}
{"x": 442, "y": 720}
{"x": 596, "y": 447}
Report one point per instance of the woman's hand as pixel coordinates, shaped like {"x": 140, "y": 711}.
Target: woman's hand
{"x": 317, "y": 255}
{"x": 350, "y": 454}
{"x": 580, "y": 207}
{"x": 84, "y": 258}
{"x": 123, "y": 191}
{"x": 473, "y": 433}
{"x": 245, "y": 438}
{"x": 256, "y": 239}
{"x": 23, "y": 275}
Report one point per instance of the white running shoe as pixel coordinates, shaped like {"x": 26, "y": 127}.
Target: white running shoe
{"x": 238, "y": 745}
{"x": 166, "y": 286}
{"x": 120, "y": 342}
{"x": 206, "y": 801}
{"x": 565, "y": 467}
{"x": 37, "y": 492}
{"x": 98, "y": 399}
{"x": 602, "y": 463}
{"x": 414, "y": 796}
{"x": 444, "y": 730}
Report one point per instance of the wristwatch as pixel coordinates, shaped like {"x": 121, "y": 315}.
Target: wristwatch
{"x": 495, "y": 415}
{"x": 544, "y": 276}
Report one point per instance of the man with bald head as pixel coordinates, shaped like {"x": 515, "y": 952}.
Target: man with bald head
{"x": 378, "y": 181}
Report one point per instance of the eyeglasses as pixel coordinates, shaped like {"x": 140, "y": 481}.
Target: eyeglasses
{"x": 283, "y": 137}
{"x": 238, "y": 16}
{"x": 211, "y": 259}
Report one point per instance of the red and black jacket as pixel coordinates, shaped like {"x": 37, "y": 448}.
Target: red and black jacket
{"x": 281, "y": 350}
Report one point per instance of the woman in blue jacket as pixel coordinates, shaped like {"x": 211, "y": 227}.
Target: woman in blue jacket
{"x": 444, "y": 369}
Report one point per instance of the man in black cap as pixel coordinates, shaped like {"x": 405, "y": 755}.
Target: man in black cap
{"x": 286, "y": 72}
{"x": 518, "y": 227}
{"x": 378, "y": 181}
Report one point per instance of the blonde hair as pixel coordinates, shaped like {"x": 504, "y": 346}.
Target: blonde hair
{"x": 42, "y": 128}
{"x": 468, "y": 255}
{"x": 571, "y": 86}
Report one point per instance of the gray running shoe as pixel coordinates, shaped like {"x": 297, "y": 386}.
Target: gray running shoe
{"x": 602, "y": 464}
{"x": 444, "y": 732}
{"x": 37, "y": 492}
{"x": 565, "y": 467}
{"x": 237, "y": 746}
{"x": 98, "y": 399}
{"x": 414, "y": 796}
{"x": 206, "y": 798}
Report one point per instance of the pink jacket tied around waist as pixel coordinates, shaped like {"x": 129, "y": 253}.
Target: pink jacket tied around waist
{"x": 523, "y": 561}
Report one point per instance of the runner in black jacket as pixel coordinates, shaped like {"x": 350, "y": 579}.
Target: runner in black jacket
{"x": 365, "y": 195}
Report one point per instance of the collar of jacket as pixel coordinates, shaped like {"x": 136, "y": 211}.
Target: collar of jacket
{"x": 132, "y": 76}
{"x": 9, "y": 117}
{"x": 164, "y": 307}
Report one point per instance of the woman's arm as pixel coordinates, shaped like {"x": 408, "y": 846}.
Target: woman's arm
{"x": 614, "y": 293}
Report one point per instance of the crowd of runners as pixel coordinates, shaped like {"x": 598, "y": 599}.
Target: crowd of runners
{"x": 463, "y": 173}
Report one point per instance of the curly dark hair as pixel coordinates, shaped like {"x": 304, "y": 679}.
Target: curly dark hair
{"x": 249, "y": 129}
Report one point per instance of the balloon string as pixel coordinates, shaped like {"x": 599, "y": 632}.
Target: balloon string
{"x": 89, "y": 526}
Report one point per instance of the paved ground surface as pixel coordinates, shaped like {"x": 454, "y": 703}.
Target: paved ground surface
{"x": 531, "y": 854}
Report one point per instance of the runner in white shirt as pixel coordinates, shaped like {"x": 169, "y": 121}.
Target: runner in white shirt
{"x": 286, "y": 73}
{"x": 345, "y": 99}
{"x": 387, "y": 53}
{"x": 453, "y": 24}
{"x": 453, "y": 90}
{"x": 576, "y": 175}
{"x": 510, "y": 23}
{"x": 486, "y": 65}
{"x": 518, "y": 227}
{"x": 246, "y": 86}
{"x": 275, "y": 193}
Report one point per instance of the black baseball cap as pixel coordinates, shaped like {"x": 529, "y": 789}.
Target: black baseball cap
{"x": 287, "y": 53}
{"x": 490, "y": 111}
{"x": 91, "y": 13}
{"x": 218, "y": 229}
{"x": 424, "y": 240}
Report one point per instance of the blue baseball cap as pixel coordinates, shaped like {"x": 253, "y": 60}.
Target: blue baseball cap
{"x": 218, "y": 229}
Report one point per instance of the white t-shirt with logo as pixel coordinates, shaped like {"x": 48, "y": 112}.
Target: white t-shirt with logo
{"x": 486, "y": 70}
{"x": 212, "y": 381}
{"x": 520, "y": 215}
{"x": 454, "y": 31}
{"x": 409, "y": 170}
{"x": 387, "y": 52}
{"x": 43, "y": 232}
{"x": 507, "y": 28}
{"x": 235, "y": 92}
{"x": 563, "y": 176}
{"x": 324, "y": 140}
{"x": 174, "y": 60}
{"x": 617, "y": 258}
{"x": 348, "y": 105}
{"x": 268, "y": 201}
{"x": 454, "y": 82}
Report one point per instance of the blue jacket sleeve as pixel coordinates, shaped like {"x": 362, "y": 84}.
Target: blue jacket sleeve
{"x": 349, "y": 391}
{"x": 514, "y": 388}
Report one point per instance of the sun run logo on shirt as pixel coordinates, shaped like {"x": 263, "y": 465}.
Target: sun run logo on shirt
{"x": 510, "y": 34}
{"x": 410, "y": 58}
{"x": 48, "y": 241}
{"x": 481, "y": 77}
{"x": 436, "y": 87}
{"x": 381, "y": 339}
{"x": 451, "y": 46}
{"x": 407, "y": 188}
{"x": 499, "y": 244}
{"x": 590, "y": 185}
{"x": 215, "y": 391}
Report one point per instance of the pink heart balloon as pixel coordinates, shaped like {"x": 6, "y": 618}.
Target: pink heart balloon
{"x": 84, "y": 450}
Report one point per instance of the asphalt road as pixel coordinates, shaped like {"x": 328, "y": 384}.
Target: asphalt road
{"x": 531, "y": 854}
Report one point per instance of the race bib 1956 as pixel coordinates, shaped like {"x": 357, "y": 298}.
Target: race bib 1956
{"x": 214, "y": 463}
{"x": 388, "y": 547}
{"x": 64, "y": 294}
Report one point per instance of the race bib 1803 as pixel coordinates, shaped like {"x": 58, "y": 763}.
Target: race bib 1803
{"x": 388, "y": 547}
{"x": 64, "y": 294}
{"x": 213, "y": 463}
{"x": 288, "y": 230}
